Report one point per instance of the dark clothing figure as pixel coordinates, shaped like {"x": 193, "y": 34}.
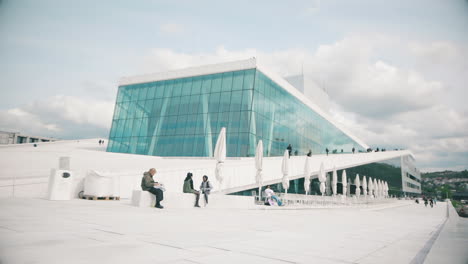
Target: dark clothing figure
{"x": 296, "y": 153}
{"x": 100, "y": 141}
{"x": 326, "y": 150}
{"x": 341, "y": 150}
{"x": 289, "y": 148}
{"x": 425, "y": 202}
{"x": 147, "y": 184}
{"x": 431, "y": 202}
{"x": 353, "y": 150}
{"x": 309, "y": 154}
{"x": 188, "y": 188}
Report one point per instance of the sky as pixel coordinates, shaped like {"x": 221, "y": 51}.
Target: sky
{"x": 396, "y": 71}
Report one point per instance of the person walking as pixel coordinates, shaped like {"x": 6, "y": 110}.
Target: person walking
{"x": 326, "y": 150}
{"x": 205, "y": 188}
{"x": 425, "y": 201}
{"x": 148, "y": 184}
{"x": 289, "y": 148}
{"x": 309, "y": 154}
{"x": 353, "y": 150}
{"x": 188, "y": 188}
{"x": 431, "y": 202}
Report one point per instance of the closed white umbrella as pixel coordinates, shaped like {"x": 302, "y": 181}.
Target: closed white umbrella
{"x": 386, "y": 188}
{"x": 259, "y": 167}
{"x": 344, "y": 181}
{"x": 335, "y": 181}
{"x": 357, "y": 182}
{"x": 364, "y": 185}
{"x": 322, "y": 179}
{"x": 376, "y": 188}
{"x": 220, "y": 155}
{"x": 371, "y": 187}
{"x": 307, "y": 175}
{"x": 285, "y": 170}
{"x": 381, "y": 189}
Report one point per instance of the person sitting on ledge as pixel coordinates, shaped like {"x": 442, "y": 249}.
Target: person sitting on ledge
{"x": 205, "y": 188}
{"x": 188, "y": 188}
{"x": 272, "y": 199}
{"x": 148, "y": 184}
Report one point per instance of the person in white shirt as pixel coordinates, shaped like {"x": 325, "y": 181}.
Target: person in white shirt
{"x": 271, "y": 197}
{"x": 206, "y": 188}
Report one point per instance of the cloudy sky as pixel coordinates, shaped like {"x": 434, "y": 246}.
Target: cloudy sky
{"x": 397, "y": 71}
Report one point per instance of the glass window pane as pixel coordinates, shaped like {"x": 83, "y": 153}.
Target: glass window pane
{"x": 248, "y": 79}
{"x": 225, "y": 102}
{"x": 216, "y": 83}
{"x": 227, "y": 82}
{"x": 151, "y": 91}
{"x": 177, "y": 90}
{"x": 143, "y": 92}
{"x": 236, "y": 100}
{"x": 168, "y": 85}
{"x": 206, "y": 84}
{"x": 159, "y": 93}
{"x": 196, "y": 87}
{"x": 214, "y": 102}
{"x": 187, "y": 86}
{"x": 237, "y": 82}
{"x": 184, "y": 105}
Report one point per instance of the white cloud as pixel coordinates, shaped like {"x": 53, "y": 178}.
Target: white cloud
{"x": 60, "y": 116}
{"x": 384, "y": 103}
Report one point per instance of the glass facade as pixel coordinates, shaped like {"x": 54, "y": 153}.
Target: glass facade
{"x": 183, "y": 117}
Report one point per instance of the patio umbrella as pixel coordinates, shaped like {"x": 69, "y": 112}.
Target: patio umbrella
{"x": 371, "y": 187}
{"x": 307, "y": 175}
{"x": 259, "y": 167}
{"x": 220, "y": 155}
{"x": 322, "y": 179}
{"x": 376, "y": 188}
{"x": 357, "y": 183}
{"x": 386, "y": 188}
{"x": 364, "y": 186}
{"x": 381, "y": 188}
{"x": 285, "y": 170}
{"x": 335, "y": 181}
{"x": 344, "y": 181}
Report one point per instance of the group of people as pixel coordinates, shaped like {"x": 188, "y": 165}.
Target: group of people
{"x": 157, "y": 189}
{"x": 309, "y": 154}
{"x": 427, "y": 200}
{"x": 101, "y": 142}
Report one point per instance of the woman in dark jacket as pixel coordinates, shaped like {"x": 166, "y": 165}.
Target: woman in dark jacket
{"x": 188, "y": 188}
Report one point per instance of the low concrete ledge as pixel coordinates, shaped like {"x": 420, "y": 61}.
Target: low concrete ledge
{"x": 187, "y": 200}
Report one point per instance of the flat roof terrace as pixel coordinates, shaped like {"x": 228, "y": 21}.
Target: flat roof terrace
{"x": 82, "y": 231}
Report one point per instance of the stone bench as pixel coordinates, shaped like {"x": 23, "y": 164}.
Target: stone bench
{"x": 173, "y": 200}
{"x": 187, "y": 200}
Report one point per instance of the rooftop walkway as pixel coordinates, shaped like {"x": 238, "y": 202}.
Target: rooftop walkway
{"x": 34, "y": 230}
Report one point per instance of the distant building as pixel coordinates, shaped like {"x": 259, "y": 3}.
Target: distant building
{"x": 19, "y": 138}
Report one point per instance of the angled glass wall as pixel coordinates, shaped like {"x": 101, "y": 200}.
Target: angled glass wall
{"x": 183, "y": 117}
{"x": 280, "y": 119}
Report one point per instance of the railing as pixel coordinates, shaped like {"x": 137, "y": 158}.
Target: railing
{"x": 293, "y": 200}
